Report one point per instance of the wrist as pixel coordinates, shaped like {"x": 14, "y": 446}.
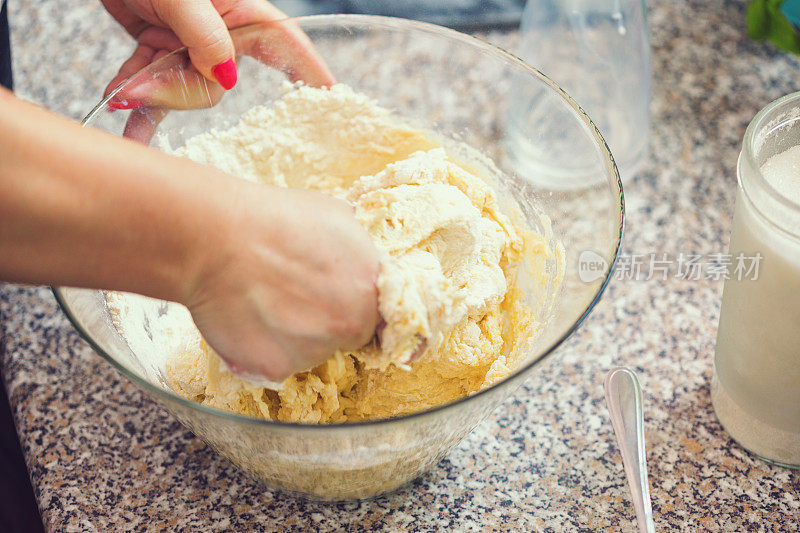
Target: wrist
{"x": 212, "y": 244}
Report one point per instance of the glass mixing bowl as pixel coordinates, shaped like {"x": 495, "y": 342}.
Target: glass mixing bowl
{"x": 453, "y": 84}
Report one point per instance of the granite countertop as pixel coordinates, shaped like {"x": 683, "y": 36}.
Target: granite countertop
{"x": 102, "y": 456}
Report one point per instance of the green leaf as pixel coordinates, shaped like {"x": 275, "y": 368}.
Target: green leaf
{"x": 765, "y": 21}
{"x": 757, "y": 18}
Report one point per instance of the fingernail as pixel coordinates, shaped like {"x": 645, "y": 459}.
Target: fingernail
{"x": 226, "y": 74}
{"x": 124, "y": 104}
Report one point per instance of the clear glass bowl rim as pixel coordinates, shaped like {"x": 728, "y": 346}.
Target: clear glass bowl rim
{"x": 393, "y": 23}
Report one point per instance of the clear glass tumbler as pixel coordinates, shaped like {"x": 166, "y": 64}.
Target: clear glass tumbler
{"x": 598, "y": 51}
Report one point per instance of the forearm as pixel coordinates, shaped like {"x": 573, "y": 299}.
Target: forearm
{"x": 79, "y": 207}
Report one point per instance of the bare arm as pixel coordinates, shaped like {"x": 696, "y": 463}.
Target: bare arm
{"x": 266, "y": 287}
{"x": 79, "y": 207}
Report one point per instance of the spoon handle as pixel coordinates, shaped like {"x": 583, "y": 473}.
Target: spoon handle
{"x": 624, "y": 398}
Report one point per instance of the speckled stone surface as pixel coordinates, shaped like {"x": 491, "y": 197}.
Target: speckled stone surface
{"x": 102, "y": 456}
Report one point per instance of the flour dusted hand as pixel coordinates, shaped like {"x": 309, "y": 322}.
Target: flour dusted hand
{"x": 294, "y": 282}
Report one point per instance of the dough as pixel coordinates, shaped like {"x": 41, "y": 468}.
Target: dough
{"x": 455, "y": 319}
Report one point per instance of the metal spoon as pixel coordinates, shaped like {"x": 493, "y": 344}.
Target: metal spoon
{"x": 624, "y": 398}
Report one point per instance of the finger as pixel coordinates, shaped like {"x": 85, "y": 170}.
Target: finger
{"x": 282, "y": 44}
{"x": 201, "y": 29}
{"x": 188, "y": 90}
{"x": 153, "y": 44}
{"x": 141, "y": 57}
{"x": 129, "y": 20}
{"x": 142, "y": 124}
{"x": 178, "y": 84}
{"x": 262, "y": 356}
{"x": 159, "y": 39}
{"x": 419, "y": 350}
{"x": 160, "y": 54}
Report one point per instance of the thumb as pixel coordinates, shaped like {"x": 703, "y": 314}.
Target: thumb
{"x": 201, "y": 29}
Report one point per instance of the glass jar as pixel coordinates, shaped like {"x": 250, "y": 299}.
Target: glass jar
{"x": 756, "y": 384}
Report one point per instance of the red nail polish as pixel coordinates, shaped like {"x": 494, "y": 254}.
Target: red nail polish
{"x": 124, "y": 104}
{"x": 226, "y": 74}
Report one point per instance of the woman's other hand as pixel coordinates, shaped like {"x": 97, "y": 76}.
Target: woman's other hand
{"x": 161, "y": 26}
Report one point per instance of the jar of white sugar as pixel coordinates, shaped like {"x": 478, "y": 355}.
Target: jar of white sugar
{"x": 756, "y": 384}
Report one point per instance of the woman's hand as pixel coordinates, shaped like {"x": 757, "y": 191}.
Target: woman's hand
{"x": 161, "y": 26}
{"x": 294, "y": 281}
